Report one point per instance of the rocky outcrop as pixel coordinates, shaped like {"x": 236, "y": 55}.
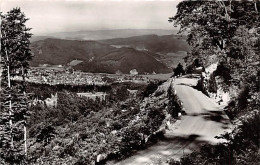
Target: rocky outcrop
{"x": 214, "y": 86}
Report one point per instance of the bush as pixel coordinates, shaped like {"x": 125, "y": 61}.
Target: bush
{"x": 179, "y": 70}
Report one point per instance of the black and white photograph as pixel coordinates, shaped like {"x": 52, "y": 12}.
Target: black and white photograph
{"x": 130, "y": 82}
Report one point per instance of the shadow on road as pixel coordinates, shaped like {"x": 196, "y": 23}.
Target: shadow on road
{"x": 216, "y": 116}
{"x": 169, "y": 147}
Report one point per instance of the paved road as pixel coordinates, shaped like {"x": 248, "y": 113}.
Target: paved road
{"x": 204, "y": 120}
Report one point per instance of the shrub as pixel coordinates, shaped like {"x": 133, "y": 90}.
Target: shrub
{"x": 178, "y": 70}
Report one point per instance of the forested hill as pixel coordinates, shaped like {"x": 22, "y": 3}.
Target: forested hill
{"x": 162, "y": 44}
{"x": 95, "y": 56}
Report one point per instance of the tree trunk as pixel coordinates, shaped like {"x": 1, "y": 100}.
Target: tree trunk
{"x": 25, "y": 139}
{"x": 25, "y": 133}
{"x": 255, "y": 2}
{"x": 10, "y": 101}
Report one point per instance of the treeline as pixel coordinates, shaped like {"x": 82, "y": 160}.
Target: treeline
{"x": 43, "y": 91}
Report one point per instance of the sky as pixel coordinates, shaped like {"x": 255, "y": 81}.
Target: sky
{"x": 51, "y": 16}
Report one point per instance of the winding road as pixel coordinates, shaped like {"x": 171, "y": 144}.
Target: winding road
{"x": 203, "y": 121}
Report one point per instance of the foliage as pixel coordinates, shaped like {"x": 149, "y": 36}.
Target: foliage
{"x": 151, "y": 88}
{"x": 221, "y": 28}
{"x": 46, "y": 135}
{"x": 225, "y": 31}
{"x": 174, "y": 106}
{"x": 43, "y": 91}
{"x": 214, "y": 23}
{"x": 178, "y": 70}
{"x": 15, "y": 56}
{"x": 192, "y": 67}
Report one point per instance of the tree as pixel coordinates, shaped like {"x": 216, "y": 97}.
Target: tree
{"x": 211, "y": 25}
{"x": 179, "y": 70}
{"x": 46, "y": 134}
{"x": 223, "y": 32}
{"x": 15, "y": 56}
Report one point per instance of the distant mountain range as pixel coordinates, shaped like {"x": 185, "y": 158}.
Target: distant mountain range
{"x": 154, "y": 43}
{"x": 104, "y": 34}
{"x": 169, "y": 49}
{"x": 96, "y": 57}
{"x": 146, "y": 54}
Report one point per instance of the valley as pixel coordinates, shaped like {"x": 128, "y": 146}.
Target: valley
{"x": 147, "y": 54}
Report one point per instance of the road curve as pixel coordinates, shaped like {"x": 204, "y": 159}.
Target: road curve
{"x": 204, "y": 120}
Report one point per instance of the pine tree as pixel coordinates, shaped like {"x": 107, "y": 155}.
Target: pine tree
{"x": 15, "y": 56}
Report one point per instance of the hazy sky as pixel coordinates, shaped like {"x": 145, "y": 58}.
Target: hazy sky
{"x": 61, "y": 16}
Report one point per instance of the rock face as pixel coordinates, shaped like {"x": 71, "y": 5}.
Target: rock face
{"x": 214, "y": 86}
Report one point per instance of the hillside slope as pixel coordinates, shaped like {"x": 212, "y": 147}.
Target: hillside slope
{"x": 57, "y": 51}
{"x": 124, "y": 60}
{"x": 170, "y": 49}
